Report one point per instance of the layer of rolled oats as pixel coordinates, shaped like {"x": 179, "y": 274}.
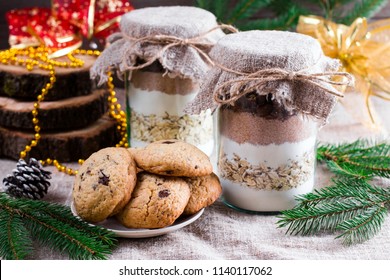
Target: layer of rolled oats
{"x": 285, "y": 177}
{"x": 194, "y": 129}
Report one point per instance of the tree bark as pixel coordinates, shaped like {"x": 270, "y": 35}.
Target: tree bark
{"x": 18, "y": 82}
{"x": 63, "y": 146}
{"x": 66, "y": 114}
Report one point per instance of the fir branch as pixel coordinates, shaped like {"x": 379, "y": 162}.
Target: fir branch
{"x": 15, "y": 240}
{"x": 55, "y": 226}
{"x": 352, "y": 206}
{"x": 285, "y": 13}
{"x": 58, "y": 214}
{"x": 362, "y": 228}
{"x": 363, "y": 8}
{"x": 341, "y": 189}
{"x": 360, "y": 159}
{"x": 245, "y": 9}
{"x": 204, "y": 4}
{"x": 220, "y": 7}
{"x": 307, "y": 221}
{"x": 286, "y": 20}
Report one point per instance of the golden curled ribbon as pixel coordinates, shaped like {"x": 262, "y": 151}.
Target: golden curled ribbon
{"x": 232, "y": 90}
{"x": 169, "y": 41}
{"x": 363, "y": 49}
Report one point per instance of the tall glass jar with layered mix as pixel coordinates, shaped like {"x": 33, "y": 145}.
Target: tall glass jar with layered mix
{"x": 163, "y": 53}
{"x": 270, "y": 106}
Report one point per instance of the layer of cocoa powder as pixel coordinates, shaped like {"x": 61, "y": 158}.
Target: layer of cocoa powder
{"x": 244, "y": 127}
{"x": 153, "y": 78}
{"x": 260, "y": 121}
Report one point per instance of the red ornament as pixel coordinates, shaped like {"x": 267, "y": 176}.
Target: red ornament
{"x": 94, "y": 18}
{"x": 63, "y": 26}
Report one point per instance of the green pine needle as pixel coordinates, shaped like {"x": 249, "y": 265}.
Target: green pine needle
{"x": 220, "y": 9}
{"x": 15, "y": 240}
{"x": 285, "y": 13}
{"x": 352, "y": 206}
{"x": 363, "y": 227}
{"x": 245, "y": 9}
{"x": 341, "y": 189}
{"x": 286, "y": 20}
{"x": 361, "y": 159}
{"x": 52, "y": 225}
{"x": 362, "y": 8}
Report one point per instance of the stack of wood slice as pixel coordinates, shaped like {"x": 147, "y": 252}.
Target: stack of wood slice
{"x": 73, "y": 117}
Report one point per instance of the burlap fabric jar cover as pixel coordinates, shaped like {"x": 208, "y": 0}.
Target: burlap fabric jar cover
{"x": 163, "y": 52}
{"x": 273, "y": 91}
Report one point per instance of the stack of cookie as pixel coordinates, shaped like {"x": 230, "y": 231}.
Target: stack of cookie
{"x": 73, "y": 117}
{"x": 146, "y": 187}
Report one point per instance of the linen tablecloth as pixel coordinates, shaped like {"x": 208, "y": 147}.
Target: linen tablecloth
{"x": 223, "y": 233}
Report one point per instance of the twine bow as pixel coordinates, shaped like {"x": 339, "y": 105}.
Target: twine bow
{"x": 169, "y": 41}
{"x": 232, "y": 90}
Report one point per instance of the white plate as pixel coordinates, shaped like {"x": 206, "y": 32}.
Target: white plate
{"x": 121, "y": 231}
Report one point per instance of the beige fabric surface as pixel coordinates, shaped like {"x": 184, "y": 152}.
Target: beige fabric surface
{"x": 222, "y": 233}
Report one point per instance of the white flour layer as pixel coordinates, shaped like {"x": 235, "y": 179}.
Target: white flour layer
{"x": 273, "y": 155}
{"x": 157, "y": 102}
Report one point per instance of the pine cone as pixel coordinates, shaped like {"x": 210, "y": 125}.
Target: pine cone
{"x": 27, "y": 180}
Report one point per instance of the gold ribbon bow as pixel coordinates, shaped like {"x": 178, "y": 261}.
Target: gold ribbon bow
{"x": 363, "y": 49}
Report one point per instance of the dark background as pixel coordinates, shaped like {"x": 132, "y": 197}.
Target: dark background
{"x": 6, "y": 5}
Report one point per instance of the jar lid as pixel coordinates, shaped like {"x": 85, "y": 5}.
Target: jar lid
{"x": 289, "y": 66}
{"x": 253, "y": 50}
{"x": 146, "y": 33}
{"x": 179, "y": 21}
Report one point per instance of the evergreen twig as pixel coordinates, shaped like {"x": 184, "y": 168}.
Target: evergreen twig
{"x": 15, "y": 241}
{"x": 284, "y": 21}
{"x": 53, "y": 225}
{"x": 352, "y": 206}
{"x": 361, "y": 159}
{"x": 362, "y": 228}
{"x": 362, "y": 8}
{"x": 285, "y": 13}
{"x": 245, "y": 9}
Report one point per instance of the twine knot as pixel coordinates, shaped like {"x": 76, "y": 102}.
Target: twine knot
{"x": 170, "y": 41}
{"x": 232, "y": 90}
{"x": 291, "y": 76}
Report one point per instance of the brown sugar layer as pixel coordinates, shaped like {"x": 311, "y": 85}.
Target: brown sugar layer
{"x": 63, "y": 146}
{"x": 70, "y": 113}
{"x": 18, "y": 82}
{"x": 244, "y": 127}
{"x": 150, "y": 81}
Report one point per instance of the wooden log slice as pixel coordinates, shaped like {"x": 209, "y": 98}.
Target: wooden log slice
{"x": 18, "y": 82}
{"x": 66, "y": 114}
{"x": 63, "y": 146}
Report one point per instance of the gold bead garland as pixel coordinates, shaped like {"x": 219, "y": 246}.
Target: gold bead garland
{"x": 39, "y": 58}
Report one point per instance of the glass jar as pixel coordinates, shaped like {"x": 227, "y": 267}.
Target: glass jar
{"x": 266, "y": 154}
{"x": 155, "y": 104}
{"x": 164, "y": 52}
{"x": 272, "y": 92}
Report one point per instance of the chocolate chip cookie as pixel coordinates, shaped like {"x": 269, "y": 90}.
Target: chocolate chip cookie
{"x": 104, "y": 184}
{"x": 173, "y": 158}
{"x": 205, "y": 191}
{"x": 156, "y": 202}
